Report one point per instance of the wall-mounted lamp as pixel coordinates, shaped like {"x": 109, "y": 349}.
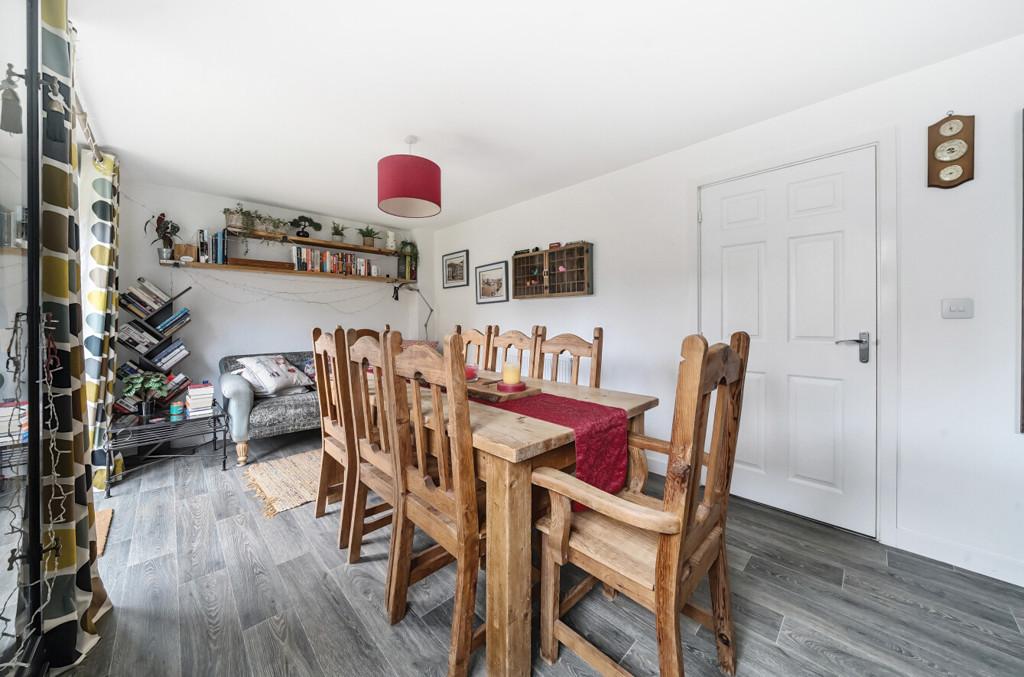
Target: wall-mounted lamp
{"x": 10, "y": 104}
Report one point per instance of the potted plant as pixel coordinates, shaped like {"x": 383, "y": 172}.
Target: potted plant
{"x": 149, "y": 385}
{"x": 302, "y": 224}
{"x": 370, "y": 234}
{"x": 244, "y": 222}
{"x": 409, "y": 250}
{"x": 165, "y": 231}
{"x": 337, "y": 232}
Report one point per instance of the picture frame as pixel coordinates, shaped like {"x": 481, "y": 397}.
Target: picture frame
{"x": 455, "y": 269}
{"x": 492, "y": 282}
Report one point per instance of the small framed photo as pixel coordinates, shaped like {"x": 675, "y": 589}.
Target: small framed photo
{"x": 492, "y": 282}
{"x": 456, "y": 269}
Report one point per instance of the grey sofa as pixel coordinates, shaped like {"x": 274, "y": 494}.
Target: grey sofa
{"x": 253, "y": 419}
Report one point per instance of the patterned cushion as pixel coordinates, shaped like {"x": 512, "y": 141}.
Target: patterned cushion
{"x": 230, "y": 362}
{"x": 284, "y": 414}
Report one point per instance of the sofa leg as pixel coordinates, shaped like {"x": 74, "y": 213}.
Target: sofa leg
{"x": 242, "y": 449}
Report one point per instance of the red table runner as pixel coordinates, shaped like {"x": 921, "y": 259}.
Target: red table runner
{"x": 602, "y": 457}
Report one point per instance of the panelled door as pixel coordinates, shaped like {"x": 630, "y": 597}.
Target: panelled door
{"x": 788, "y": 255}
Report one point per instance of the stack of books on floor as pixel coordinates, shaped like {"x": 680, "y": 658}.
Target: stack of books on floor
{"x": 169, "y": 355}
{"x": 174, "y": 322}
{"x": 199, "y": 401}
{"x": 143, "y": 299}
{"x": 13, "y": 423}
{"x": 138, "y": 336}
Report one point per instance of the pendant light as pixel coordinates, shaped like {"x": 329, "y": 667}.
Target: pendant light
{"x": 408, "y": 185}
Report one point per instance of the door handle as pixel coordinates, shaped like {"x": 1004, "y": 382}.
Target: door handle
{"x": 864, "y": 341}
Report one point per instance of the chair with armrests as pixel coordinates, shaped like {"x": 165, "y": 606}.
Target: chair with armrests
{"x": 373, "y": 463}
{"x": 655, "y": 551}
{"x": 338, "y": 452}
{"x": 577, "y": 348}
{"x": 424, "y": 390}
{"x": 479, "y": 343}
{"x": 503, "y": 343}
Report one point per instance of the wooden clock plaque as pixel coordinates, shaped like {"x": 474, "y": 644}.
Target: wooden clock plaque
{"x": 951, "y": 151}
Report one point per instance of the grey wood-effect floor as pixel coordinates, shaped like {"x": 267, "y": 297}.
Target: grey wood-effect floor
{"x": 204, "y": 584}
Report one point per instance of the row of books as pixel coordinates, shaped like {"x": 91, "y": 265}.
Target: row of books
{"x": 13, "y": 423}
{"x": 325, "y": 261}
{"x": 174, "y": 322}
{"x": 170, "y": 355}
{"x": 138, "y": 336}
{"x": 212, "y": 248}
{"x": 406, "y": 267}
{"x": 143, "y": 299}
{"x": 199, "y": 401}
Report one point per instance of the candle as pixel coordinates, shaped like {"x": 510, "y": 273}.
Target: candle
{"x": 510, "y": 373}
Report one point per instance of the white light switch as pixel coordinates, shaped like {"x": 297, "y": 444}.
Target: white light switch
{"x": 957, "y": 309}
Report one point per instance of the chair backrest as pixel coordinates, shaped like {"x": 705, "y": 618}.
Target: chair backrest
{"x": 417, "y": 427}
{"x": 366, "y": 367}
{"x": 577, "y": 348}
{"x": 503, "y": 343}
{"x": 332, "y": 379}
{"x": 476, "y": 344}
{"x": 720, "y": 371}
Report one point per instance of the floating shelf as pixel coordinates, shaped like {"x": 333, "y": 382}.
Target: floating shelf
{"x": 286, "y": 271}
{"x": 310, "y": 242}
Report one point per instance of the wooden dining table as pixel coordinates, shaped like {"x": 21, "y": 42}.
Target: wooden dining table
{"x": 508, "y": 447}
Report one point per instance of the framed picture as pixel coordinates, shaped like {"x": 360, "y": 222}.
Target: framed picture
{"x": 456, "y": 269}
{"x": 492, "y": 282}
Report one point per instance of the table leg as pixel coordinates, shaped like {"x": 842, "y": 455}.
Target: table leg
{"x": 508, "y": 567}
{"x": 637, "y": 458}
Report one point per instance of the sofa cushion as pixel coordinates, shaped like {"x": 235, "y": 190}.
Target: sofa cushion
{"x": 273, "y": 375}
{"x": 284, "y": 414}
{"x": 230, "y": 363}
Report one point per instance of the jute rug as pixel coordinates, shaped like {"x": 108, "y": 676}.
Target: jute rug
{"x": 103, "y": 518}
{"x": 285, "y": 483}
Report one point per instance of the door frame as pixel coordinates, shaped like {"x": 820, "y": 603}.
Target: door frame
{"x": 887, "y": 339}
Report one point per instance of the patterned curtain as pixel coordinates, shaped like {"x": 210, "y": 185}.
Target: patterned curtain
{"x": 98, "y": 218}
{"x": 73, "y": 594}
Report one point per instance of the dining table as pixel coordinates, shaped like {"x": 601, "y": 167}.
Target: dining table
{"x": 508, "y": 446}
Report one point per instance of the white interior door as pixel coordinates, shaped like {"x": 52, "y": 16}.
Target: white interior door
{"x": 788, "y": 255}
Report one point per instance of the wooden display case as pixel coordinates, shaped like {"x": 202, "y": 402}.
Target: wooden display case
{"x": 563, "y": 271}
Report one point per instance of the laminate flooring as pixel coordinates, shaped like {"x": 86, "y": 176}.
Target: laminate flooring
{"x": 203, "y": 584}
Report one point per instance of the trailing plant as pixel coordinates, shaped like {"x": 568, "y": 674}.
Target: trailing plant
{"x": 253, "y": 218}
{"x": 165, "y": 230}
{"x": 337, "y": 229}
{"x": 409, "y": 248}
{"x": 151, "y": 385}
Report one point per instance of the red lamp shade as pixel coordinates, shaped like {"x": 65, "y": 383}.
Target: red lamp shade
{"x": 409, "y": 186}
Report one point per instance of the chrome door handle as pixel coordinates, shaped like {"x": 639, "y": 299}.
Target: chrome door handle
{"x": 864, "y": 341}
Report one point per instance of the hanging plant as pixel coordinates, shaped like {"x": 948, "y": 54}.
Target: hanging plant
{"x": 409, "y": 248}
{"x": 302, "y": 224}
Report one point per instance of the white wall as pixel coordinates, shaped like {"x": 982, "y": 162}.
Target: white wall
{"x": 960, "y": 458}
{"x": 236, "y": 312}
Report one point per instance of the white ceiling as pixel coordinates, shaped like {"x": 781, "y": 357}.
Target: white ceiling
{"x": 292, "y": 103}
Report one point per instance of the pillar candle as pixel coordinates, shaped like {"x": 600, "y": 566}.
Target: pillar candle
{"x": 510, "y": 373}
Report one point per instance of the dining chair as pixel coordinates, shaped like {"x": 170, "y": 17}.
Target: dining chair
{"x": 655, "y": 551}
{"x": 503, "y": 343}
{"x": 373, "y": 466}
{"x": 577, "y": 348}
{"x": 481, "y": 342}
{"x": 426, "y": 389}
{"x": 337, "y": 456}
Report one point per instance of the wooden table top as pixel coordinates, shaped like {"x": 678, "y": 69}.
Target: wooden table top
{"x": 516, "y": 438}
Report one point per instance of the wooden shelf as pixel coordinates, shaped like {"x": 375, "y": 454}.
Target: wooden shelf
{"x": 14, "y": 251}
{"x": 284, "y": 271}
{"x": 284, "y": 238}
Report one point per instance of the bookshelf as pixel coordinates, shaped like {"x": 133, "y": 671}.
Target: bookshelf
{"x": 310, "y": 242}
{"x": 275, "y": 267}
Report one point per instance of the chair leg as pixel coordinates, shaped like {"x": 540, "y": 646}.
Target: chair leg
{"x": 349, "y": 482}
{"x": 463, "y": 612}
{"x": 326, "y": 466}
{"x": 721, "y": 609}
{"x": 355, "y": 539}
{"x": 399, "y": 564}
{"x": 666, "y": 621}
{"x": 550, "y": 583}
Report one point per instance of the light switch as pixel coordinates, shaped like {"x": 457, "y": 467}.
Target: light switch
{"x": 957, "y": 309}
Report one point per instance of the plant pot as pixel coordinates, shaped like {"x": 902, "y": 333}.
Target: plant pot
{"x": 165, "y": 253}
{"x": 145, "y": 410}
{"x": 338, "y": 238}
{"x": 302, "y": 232}
{"x": 368, "y": 241}
{"x": 233, "y": 220}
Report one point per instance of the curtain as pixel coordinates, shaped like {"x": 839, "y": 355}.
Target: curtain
{"x": 98, "y": 227}
{"x": 73, "y": 594}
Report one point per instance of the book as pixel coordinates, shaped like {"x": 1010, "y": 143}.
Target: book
{"x": 166, "y": 350}
{"x": 203, "y": 245}
{"x": 156, "y": 292}
{"x": 175, "y": 358}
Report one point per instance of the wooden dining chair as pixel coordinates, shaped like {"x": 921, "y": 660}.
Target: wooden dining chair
{"x": 444, "y": 505}
{"x": 577, "y": 348}
{"x": 655, "y": 551}
{"x": 373, "y": 465}
{"x": 337, "y": 456}
{"x": 503, "y": 343}
{"x": 478, "y": 342}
